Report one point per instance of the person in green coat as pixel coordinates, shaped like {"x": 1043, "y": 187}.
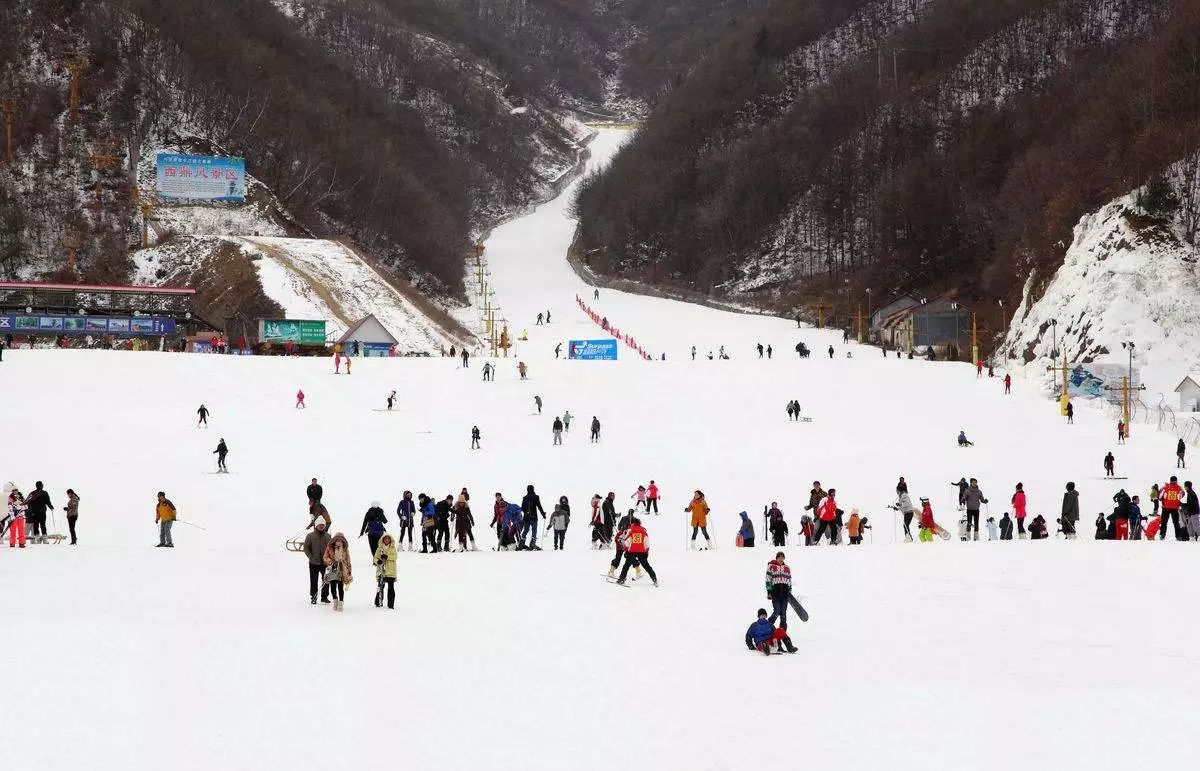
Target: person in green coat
{"x": 385, "y": 569}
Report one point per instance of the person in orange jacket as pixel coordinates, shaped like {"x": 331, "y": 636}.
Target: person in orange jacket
{"x": 852, "y": 528}
{"x": 164, "y": 517}
{"x": 827, "y": 514}
{"x": 1171, "y": 497}
{"x": 699, "y": 509}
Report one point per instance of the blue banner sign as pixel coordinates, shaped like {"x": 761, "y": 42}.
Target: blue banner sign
{"x": 200, "y": 177}
{"x": 592, "y": 349}
{"x": 126, "y": 326}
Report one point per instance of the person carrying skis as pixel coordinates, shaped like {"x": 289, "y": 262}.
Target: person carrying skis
{"x": 699, "y": 519}
{"x": 1110, "y": 465}
{"x": 559, "y": 520}
{"x": 221, "y": 451}
{"x": 405, "y": 512}
{"x": 595, "y": 429}
{"x": 1070, "y": 512}
{"x": 827, "y": 518}
{"x": 1172, "y": 497}
{"x": 72, "y": 511}
{"x": 637, "y": 551}
{"x": 338, "y": 572}
{"x": 904, "y": 505}
{"x": 464, "y": 524}
{"x": 314, "y": 548}
{"x": 203, "y": 413}
{"x": 556, "y": 428}
{"x": 164, "y": 517}
{"x": 384, "y": 558}
{"x": 373, "y": 525}
{"x": 745, "y": 535}
{"x": 531, "y": 506}
{"x": 1180, "y": 451}
{"x": 15, "y": 516}
{"x": 300, "y": 400}
{"x": 762, "y": 634}
{"x": 36, "y": 505}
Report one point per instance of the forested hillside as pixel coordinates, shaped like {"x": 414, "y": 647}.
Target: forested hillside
{"x": 835, "y": 146}
{"x": 406, "y": 125}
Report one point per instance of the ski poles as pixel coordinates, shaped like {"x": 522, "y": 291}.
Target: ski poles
{"x": 190, "y": 524}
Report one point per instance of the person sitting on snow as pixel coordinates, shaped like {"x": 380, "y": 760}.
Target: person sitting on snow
{"x": 963, "y": 441}
{"x": 762, "y": 635}
{"x": 1037, "y": 528}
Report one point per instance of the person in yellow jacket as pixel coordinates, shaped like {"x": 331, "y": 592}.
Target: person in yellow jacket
{"x": 385, "y": 570}
{"x": 164, "y": 515}
{"x": 699, "y": 509}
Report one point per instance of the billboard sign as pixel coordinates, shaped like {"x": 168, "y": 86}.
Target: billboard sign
{"x": 140, "y": 326}
{"x": 1093, "y": 379}
{"x": 592, "y": 350}
{"x": 200, "y": 177}
{"x": 284, "y": 330}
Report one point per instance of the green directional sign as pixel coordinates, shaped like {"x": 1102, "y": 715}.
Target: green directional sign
{"x": 283, "y": 330}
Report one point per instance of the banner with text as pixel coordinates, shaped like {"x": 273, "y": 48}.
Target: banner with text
{"x": 137, "y": 326}
{"x": 282, "y": 331}
{"x": 200, "y": 177}
{"x": 592, "y": 349}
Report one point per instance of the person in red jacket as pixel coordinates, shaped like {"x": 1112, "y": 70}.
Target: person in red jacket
{"x": 928, "y": 526}
{"x": 300, "y": 400}
{"x": 637, "y": 551}
{"x": 1008, "y": 384}
{"x": 1018, "y": 504}
{"x": 1171, "y": 496}
{"x": 827, "y": 516}
{"x": 652, "y": 497}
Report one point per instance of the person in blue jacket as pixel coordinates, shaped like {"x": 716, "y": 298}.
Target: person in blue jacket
{"x": 428, "y": 524}
{"x": 511, "y": 527}
{"x": 762, "y": 635}
{"x": 746, "y": 533}
{"x": 404, "y": 516}
{"x": 963, "y": 441}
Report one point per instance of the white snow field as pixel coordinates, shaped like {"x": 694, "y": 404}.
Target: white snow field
{"x": 1025, "y": 654}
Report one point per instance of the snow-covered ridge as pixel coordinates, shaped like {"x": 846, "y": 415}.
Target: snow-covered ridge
{"x": 1125, "y": 277}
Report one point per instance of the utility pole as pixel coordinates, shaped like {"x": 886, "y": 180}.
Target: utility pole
{"x": 1063, "y": 396}
{"x": 9, "y": 106}
{"x": 974, "y": 339}
{"x": 103, "y": 158}
{"x": 146, "y": 206}
{"x": 860, "y": 324}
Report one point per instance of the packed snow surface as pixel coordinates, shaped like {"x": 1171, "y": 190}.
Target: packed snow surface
{"x": 1008, "y": 655}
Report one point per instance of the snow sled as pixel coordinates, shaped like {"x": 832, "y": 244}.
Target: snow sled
{"x": 48, "y": 538}
{"x": 295, "y": 543}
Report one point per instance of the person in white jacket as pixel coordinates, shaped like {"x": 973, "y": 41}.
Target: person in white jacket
{"x": 904, "y": 506}
{"x": 15, "y": 516}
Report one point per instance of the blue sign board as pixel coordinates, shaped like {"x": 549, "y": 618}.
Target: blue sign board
{"x": 592, "y": 349}
{"x": 200, "y": 177}
{"x": 137, "y": 326}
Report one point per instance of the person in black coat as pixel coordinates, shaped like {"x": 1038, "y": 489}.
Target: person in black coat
{"x": 531, "y": 506}
{"x": 373, "y": 525}
{"x": 314, "y": 493}
{"x": 441, "y": 513}
{"x": 36, "y": 505}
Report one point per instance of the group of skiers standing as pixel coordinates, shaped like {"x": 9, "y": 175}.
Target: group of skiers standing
{"x": 24, "y": 518}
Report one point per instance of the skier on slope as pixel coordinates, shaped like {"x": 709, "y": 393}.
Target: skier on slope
{"x": 1172, "y": 498}
{"x": 15, "y": 516}
{"x": 1110, "y": 465}
{"x": 465, "y": 357}
{"x": 374, "y": 525}
{"x": 699, "y": 510}
{"x": 652, "y": 497}
{"x": 1008, "y": 384}
{"x": 203, "y": 413}
{"x": 221, "y": 451}
{"x": 609, "y": 510}
{"x": 559, "y": 520}
{"x": 640, "y": 495}
{"x": 391, "y": 399}
{"x": 597, "y": 522}
{"x": 637, "y": 551}
{"x": 531, "y": 506}
{"x": 488, "y": 369}
{"x": 1070, "y": 512}
{"x": 1006, "y": 527}
{"x": 815, "y": 497}
{"x": 300, "y": 400}
{"x": 405, "y": 511}
{"x": 762, "y": 634}
{"x": 1180, "y": 451}
{"x": 962, "y": 486}
{"x": 522, "y": 370}
{"x": 164, "y": 517}
{"x": 777, "y": 525}
{"x": 619, "y": 542}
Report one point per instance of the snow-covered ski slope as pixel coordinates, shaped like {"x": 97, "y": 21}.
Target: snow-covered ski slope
{"x": 1049, "y": 654}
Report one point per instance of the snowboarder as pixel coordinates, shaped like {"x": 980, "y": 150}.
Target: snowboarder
{"x": 300, "y": 400}
{"x": 221, "y": 451}
{"x": 391, "y": 399}
{"x": 652, "y": 497}
{"x": 559, "y": 520}
{"x": 1070, "y": 512}
{"x": 557, "y": 429}
{"x": 384, "y": 558}
{"x": 36, "y": 505}
{"x": 1007, "y": 383}
{"x": 15, "y": 516}
{"x": 827, "y": 518}
{"x": 699, "y": 517}
{"x": 1070, "y": 413}
{"x": 1180, "y": 450}
{"x": 465, "y": 357}
{"x": 314, "y": 548}
{"x": 72, "y": 511}
{"x": 164, "y": 517}
{"x": 464, "y": 524}
{"x": 373, "y": 525}
{"x": 762, "y": 634}
{"x": 637, "y": 550}
{"x": 474, "y": 437}
{"x": 337, "y": 565}
{"x": 566, "y": 419}
{"x": 531, "y": 506}
{"x": 595, "y": 429}
{"x": 745, "y": 535}
{"x": 1110, "y": 465}
{"x": 1172, "y": 497}
{"x": 963, "y": 441}
{"x": 405, "y": 511}
{"x": 203, "y": 413}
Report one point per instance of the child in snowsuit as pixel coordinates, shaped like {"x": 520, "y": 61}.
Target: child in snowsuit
{"x": 1037, "y": 528}
{"x": 558, "y": 523}
{"x": 762, "y": 635}
{"x": 640, "y": 494}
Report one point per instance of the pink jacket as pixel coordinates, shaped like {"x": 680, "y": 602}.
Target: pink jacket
{"x": 1018, "y": 502}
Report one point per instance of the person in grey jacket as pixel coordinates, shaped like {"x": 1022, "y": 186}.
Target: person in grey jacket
{"x": 905, "y": 506}
{"x": 314, "y": 548}
{"x": 1070, "y": 511}
{"x": 971, "y": 499}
